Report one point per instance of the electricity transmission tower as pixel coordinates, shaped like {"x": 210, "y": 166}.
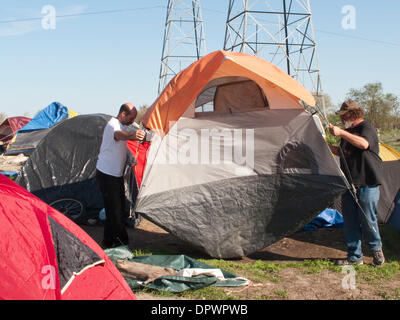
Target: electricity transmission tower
{"x": 280, "y": 31}
{"x": 184, "y": 39}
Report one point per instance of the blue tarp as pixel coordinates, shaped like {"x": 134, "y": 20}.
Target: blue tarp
{"x": 326, "y": 219}
{"x": 48, "y": 117}
{"x": 11, "y": 174}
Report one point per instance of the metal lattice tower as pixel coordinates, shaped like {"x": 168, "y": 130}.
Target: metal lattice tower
{"x": 184, "y": 39}
{"x": 280, "y": 31}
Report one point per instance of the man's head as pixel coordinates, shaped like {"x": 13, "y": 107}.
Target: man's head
{"x": 350, "y": 111}
{"x": 127, "y": 114}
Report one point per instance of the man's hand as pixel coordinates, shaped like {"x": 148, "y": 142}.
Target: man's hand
{"x": 336, "y": 131}
{"x": 140, "y": 135}
{"x": 134, "y": 136}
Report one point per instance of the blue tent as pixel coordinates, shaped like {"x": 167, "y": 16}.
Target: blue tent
{"x": 48, "y": 117}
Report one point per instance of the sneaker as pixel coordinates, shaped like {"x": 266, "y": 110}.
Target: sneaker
{"x": 346, "y": 262}
{"x": 379, "y": 258}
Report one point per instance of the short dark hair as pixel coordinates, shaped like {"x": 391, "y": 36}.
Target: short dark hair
{"x": 124, "y": 108}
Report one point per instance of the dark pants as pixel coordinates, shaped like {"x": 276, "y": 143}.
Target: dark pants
{"x": 112, "y": 189}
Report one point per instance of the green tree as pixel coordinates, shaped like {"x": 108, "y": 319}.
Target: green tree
{"x": 381, "y": 109}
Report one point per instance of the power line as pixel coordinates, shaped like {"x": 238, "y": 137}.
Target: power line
{"x": 83, "y": 14}
{"x": 325, "y": 31}
{"x": 204, "y": 9}
{"x": 357, "y": 37}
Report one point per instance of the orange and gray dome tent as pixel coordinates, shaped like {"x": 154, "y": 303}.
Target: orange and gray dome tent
{"x": 235, "y": 162}
{"x": 45, "y": 256}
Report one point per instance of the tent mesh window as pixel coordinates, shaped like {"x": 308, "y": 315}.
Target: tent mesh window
{"x": 231, "y": 94}
{"x": 297, "y": 157}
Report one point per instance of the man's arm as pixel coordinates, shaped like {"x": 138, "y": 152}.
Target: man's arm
{"x": 355, "y": 140}
{"x": 123, "y": 136}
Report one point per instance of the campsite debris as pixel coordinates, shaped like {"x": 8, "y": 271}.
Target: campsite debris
{"x": 177, "y": 282}
{"x": 12, "y": 163}
{"x": 141, "y": 271}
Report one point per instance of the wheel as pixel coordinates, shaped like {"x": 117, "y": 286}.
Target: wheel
{"x": 72, "y": 208}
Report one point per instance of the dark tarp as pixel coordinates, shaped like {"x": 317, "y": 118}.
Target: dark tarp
{"x": 174, "y": 283}
{"x": 26, "y": 142}
{"x": 63, "y": 166}
{"x": 388, "y": 190}
{"x": 395, "y": 217}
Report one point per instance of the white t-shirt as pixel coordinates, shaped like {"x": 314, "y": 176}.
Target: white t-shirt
{"x": 113, "y": 153}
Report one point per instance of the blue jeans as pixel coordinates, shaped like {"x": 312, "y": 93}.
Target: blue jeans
{"x": 355, "y": 221}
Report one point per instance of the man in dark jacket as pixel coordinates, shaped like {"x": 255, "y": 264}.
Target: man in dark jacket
{"x": 362, "y": 166}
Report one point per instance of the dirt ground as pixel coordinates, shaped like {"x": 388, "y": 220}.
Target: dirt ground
{"x": 294, "y": 285}
{"x": 319, "y": 244}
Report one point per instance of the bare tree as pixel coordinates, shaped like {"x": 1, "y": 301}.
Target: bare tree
{"x": 142, "y": 110}
{"x": 327, "y": 102}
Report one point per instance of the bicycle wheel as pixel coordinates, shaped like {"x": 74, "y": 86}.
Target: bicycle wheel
{"x": 72, "y": 208}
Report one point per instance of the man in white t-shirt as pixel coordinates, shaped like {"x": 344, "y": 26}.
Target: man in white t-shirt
{"x": 110, "y": 170}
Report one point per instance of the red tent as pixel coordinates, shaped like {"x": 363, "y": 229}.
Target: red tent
{"x": 10, "y": 126}
{"x": 140, "y": 151}
{"x": 45, "y": 256}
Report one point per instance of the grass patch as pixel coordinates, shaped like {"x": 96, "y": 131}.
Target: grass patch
{"x": 282, "y": 293}
{"x": 257, "y": 271}
{"x": 261, "y": 272}
{"x": 140, "y": 253}
{"x": 207, "y": 293}
{"x": 157, "y": 293}
{"x": 391, "y": 137}
{"x": 373, "y": 274}
{"x": 317, "y": 266}
{"x": 394, "y": 295}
